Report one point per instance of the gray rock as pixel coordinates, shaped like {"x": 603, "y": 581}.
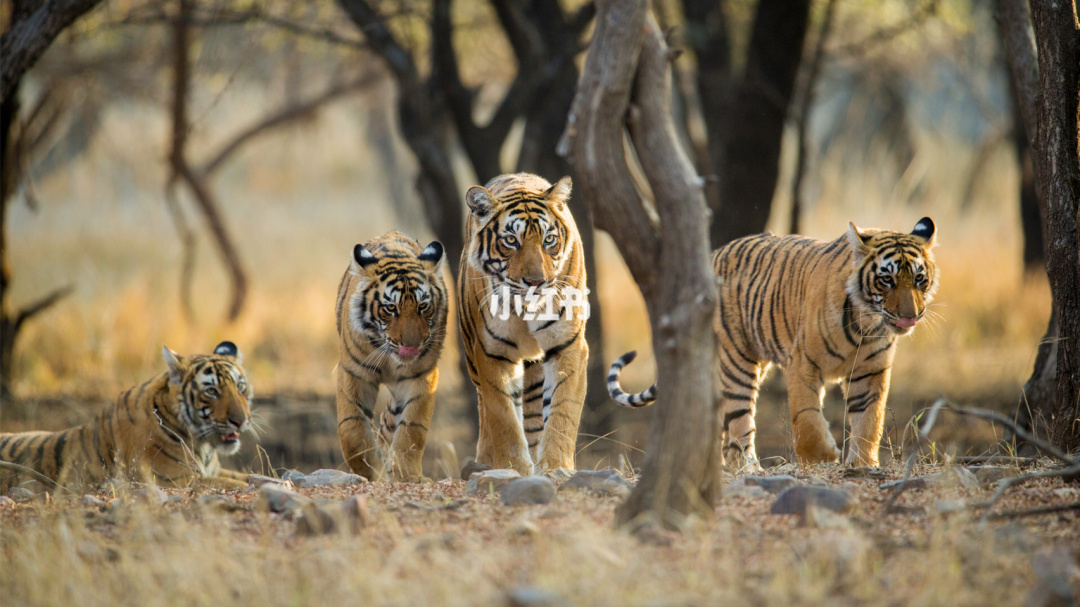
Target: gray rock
{"x": 528, "y": 490}
{"x": 988, "y": 475}
{"x": 292, "y": 476}
{"x": 739, "y": 489}
{"x": 6, "y": 501}
{"x": 328, "y": 476}
{"x": 559, "y": 475}
{"x": 258, "y": 480}
{"x": 614, "y": 487}
{"x": 599, "y": 481}
{"x": 865, "y": 472}
{"x": 490, "y": 481}
{"x": 278, "y": 498}
{"x": 315, "y": 519}
{"x": 531, "y": 596}
{"x": 356, "y": 513}
{"x": 472, "y": 468}
{"x": 772, "y": 484}
{"x": 954, "y": 477}
{"x": 153, "y": 495}
{"x": 794, "y": 500}
{"x": 91, "y": 501}
{"x": 21, "y": 494}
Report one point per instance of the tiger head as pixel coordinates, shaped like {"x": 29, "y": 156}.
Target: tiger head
{"x": 213, "y": 395}
{"x": 895, "y": 276}
{"x": 524, "y": 231}
{"x": 400, "y": 302}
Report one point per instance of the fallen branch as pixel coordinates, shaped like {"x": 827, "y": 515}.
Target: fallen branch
{"x": 1011, "y": 514}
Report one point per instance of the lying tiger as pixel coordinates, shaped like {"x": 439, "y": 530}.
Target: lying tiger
{"x": 168, "y": 431}
{"x": 826, "y": 312}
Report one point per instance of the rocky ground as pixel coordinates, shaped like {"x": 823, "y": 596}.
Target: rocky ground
{"x": 793, "y": 535}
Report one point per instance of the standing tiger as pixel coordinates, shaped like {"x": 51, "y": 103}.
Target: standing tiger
{"x": 168, "y": 430}
{"x": 824, "y": 311}
{"x": 529, "y": 372}
{"x": 391, "y": 321}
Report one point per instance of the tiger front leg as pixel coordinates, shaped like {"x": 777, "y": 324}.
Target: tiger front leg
{"x": 356, "y": 425}
{"x": 865, "y": 401}
{"x": 501, "y": 442}
{"x": 814, "y": 443}
{"x": 564, "y": 397}
{"x": 411, "y": 410}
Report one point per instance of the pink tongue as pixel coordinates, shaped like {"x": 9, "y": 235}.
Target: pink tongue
{"x": 407, "y": 352}
{"x": 905, "y": 322}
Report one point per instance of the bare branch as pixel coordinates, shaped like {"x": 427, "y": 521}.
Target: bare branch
{"x": 286, "y": 115}
{"x": 382, "y": 41}
{"x": 26, "y": 39}
{"x": 39, "y": 306}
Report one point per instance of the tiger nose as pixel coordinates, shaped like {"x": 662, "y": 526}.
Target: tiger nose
{"x": 237, "y": 422}
{"x": 533, "y": 282}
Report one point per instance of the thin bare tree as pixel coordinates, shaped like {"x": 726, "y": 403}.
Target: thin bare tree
{"x": 625, "y": 86}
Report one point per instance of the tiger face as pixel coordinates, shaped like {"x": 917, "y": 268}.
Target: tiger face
{"x": 399, "y": 302}
{"x": 895, "y": 276}
{"x": 214, "y": 396}
{"x": 524, "y": 230}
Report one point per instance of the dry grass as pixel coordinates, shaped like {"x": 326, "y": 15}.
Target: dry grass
{"x": 419, "y": 551}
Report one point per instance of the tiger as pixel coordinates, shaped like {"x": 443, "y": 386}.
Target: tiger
{"x": 826, "y": 312}
{"x": 528, "y": 368}
{"x": 167, "y": 431}
{"x": 391, "y": 323}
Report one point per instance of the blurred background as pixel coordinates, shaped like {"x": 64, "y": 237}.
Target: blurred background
{"x": 188, "y": 172}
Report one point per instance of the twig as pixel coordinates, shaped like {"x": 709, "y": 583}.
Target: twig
{"x": 920, "y": 439}
{"x": 997, "y": 516}
{"x": 1005, "y": 483}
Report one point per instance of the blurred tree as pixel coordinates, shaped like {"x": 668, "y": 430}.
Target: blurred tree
{"x": 1046, "y": 72}
{"x": 665, "y": 245}
{"x": 745, "y": 115}
{"x": 31, "y": 28}
{"x": 545, "y": 41}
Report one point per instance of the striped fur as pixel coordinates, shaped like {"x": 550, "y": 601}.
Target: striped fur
{"x": 826, "y": 312}
{"x": 391, "y": 322}
{"x": 168, "y": 430}
{"x": 529, "y": 374}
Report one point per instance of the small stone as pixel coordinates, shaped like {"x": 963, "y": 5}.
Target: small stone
{"x": 614, "y": 488}
{"x": 597, "y": 481}
{"x": 356, "y": 513}
{"x": 528, "y": 490}
{"x": 328, "y": 476}
{"x": 953, "y": 478}
{"x": 559, "y": 475}
{"x": 258, "y": 480}
{"x": 490, "y": 481}
{"x": 744, "y": 490}
{"x": 472, "y": 468}
{"x": 794, "y": 500}
{"x": 21, "y": 494}
{"x": 523, "y": 529}
{"x": 772, "y": 484}
{"x": 6, "y": 501}
{"x": 822, "y": 518}
{"x": 865, "y": 472}
{"x": 277, "y": 498}
{"x": 315, "y": 520}
{"x": 91, "y": 502}
{"x": 905, "y": 484}
{"x": 292, "y": 476}
{"x": 153, "y": 495}
{"x": 531, "y": 596}
{"x": 988, "y": 475}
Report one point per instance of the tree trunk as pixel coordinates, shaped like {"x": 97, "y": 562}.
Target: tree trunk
{"x": 748, "y": 164}
{"x": 9, "y": 110}
{"x": 1058, "y": 43}
{"x": 625, "y": 80}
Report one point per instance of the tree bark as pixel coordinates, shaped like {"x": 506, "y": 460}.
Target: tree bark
{"x": 1058, "y": 42}
{"x": 31, "y": 33}
{"x": 625, "y": 81}
{"x": 752, "y": 132}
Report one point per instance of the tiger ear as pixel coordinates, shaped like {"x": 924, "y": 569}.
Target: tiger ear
{"x": 361, "y": 257}
{"x": 175, "y": 364}
{"x": 559, "y": 194}
{"x": 858, "y": 240}
{"x": 432, "y": 256}
{"x": 925, "y": 230}
{"x": 228, "y": 348}
{"x": 480, "y": 201}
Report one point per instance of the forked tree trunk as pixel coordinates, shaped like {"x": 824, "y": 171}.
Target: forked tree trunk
{"x": 625, "y": 82}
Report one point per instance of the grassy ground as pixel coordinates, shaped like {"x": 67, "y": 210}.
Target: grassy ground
{"x": 431, "y": 544}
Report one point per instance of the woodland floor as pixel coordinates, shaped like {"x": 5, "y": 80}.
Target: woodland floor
{"x": 432, "y": 544}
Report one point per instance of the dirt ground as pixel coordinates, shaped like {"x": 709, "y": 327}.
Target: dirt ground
{"x": 432, "y": 544}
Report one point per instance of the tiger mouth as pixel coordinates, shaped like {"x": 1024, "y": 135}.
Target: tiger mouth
{"x": 230, "y": 438}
